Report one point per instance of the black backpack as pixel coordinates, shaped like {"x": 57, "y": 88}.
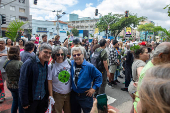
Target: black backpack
{"x": 97, "y": 61}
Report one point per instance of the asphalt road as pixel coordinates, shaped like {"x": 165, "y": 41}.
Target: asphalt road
{"x": 123, "y": 100}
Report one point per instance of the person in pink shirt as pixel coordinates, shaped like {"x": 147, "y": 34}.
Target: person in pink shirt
{"x": 37, "y": 39}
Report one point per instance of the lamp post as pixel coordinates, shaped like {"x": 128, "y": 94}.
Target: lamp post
{"x": 58, "y": 17}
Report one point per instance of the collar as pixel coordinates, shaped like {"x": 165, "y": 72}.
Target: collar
{"x": 37, "y": 59}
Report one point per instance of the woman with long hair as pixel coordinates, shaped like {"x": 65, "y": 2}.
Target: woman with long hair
{"x": 21, "y": 43}
{"x": 140, "y": 57}
{"x": 9, "y": 43}
{"x": 12, "y": 67}
{"x": 94, "y": 42}
{"x": 154, "y": 90}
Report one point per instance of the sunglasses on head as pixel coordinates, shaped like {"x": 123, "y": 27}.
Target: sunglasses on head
{"x": 76, "y": 55}
{"x": 60, "y": 54}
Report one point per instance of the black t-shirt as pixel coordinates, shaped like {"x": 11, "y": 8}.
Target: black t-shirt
{"x": 77, "y": 71}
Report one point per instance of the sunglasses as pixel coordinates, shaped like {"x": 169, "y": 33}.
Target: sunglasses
{"x": 60, "y": 54}
{"x": 76, "y": 55}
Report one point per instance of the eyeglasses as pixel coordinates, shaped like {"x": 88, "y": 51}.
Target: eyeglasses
{"x": 60, "y": 54}
{"x": 20, "y": 41}
{"x": 46, "y": 52}
{"x": 76, "y": 55}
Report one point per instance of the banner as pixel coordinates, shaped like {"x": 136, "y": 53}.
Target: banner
{"x": 128, "y": 31}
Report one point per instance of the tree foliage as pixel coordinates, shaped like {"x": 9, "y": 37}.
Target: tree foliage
{"x": 168, "y": 6}
{"x": 146, "y": 27}
{"x": 165, "y": 33}
{"x": 75, "y": 32}
{"x": 119, "y": 22}
{"x": 68, "y": 33}
{"x": 13, "y": 28}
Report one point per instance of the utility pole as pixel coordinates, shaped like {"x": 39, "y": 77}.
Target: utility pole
{"x": 0, "y": 26}
{"x": 58, "y": 17}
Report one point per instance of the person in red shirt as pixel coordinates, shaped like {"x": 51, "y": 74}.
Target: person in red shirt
{"x": 37, "y": 39}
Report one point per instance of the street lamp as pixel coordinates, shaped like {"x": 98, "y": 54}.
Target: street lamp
{"x": 58, "y": 17}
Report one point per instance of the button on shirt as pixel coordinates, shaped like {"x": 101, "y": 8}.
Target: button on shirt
{"x": 40, "y": 88}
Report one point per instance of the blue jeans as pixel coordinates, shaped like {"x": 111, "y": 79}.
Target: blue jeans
{"x": 16, "y": 101}
{"x": 117, "y": 73}
{"x": 81, "y": 102}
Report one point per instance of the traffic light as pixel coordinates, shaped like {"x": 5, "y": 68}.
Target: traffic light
{"x": 3, "y": 19}
{"x": 35, "y": 2}
{"x": 126, "y": 14}
{"x": 96, "y": 12}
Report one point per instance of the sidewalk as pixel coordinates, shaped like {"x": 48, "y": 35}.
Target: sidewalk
{"x": 5, "y": 107}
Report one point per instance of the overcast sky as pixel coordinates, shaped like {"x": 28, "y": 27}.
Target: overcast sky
{"x": 152, "y": 9}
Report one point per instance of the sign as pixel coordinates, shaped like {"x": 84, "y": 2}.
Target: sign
{"x": 128, "y": 30}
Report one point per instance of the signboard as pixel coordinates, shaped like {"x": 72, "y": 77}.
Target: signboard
{"x": 128, "y": 31}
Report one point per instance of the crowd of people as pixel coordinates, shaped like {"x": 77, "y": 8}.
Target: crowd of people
{"x": 73, "y": 74}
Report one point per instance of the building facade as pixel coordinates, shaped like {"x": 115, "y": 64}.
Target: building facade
{"x": 49, "y": 28}
{"x": 18, "y": 9}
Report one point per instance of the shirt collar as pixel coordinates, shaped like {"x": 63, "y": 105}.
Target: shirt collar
{"x": 37, "y": 59}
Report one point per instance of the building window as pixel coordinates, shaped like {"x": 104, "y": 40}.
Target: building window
{"x": 21, "y": 10}
{"x": 22, "y": 1}
{"x": 12, "y": 8}
{"x": 23, "y": 18}
{"x": 41, "y": 29}
{"x": 12, "y": 17}
{"x": 2, "y": 6}
{"x": 51, "y": 33}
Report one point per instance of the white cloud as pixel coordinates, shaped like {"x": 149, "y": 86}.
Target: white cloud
{"x": 153, "y": 9}
{"x": 49, "y": 6}
{"x": 89, "y": 5}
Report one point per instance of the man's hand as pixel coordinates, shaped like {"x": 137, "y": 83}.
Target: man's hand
{"x": 108, "y": 74}
{"x": 90, "y": 92}
{"x": 2, "y": 54}
{"x": 26, "y": 107}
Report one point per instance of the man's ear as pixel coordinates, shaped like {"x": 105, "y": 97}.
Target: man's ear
{"x": 160, "y": 55}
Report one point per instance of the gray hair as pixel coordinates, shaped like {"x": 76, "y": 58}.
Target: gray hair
{"x": 44, "y": 46}
{"x": 77, "y": 49}
{"x": 155, "y": 89}
{"x": 2, "y": 40}
{"x": 161, "y": 49}
{"x": 57, "y": 49}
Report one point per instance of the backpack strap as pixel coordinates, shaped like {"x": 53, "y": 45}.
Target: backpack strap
{"x": 7, "y": 63}
{"x": 69, "y": 61}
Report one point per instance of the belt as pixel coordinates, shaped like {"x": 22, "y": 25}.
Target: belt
{"x": 80, "y": 94}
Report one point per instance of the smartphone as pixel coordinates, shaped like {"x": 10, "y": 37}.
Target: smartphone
{"x": 102, "y": 102}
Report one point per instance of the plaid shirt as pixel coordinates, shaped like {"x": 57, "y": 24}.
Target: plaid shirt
{"x": 113, "y": 56}
{"x": 40, "y": 88}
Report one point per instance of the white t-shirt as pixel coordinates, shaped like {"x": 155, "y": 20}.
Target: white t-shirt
{"x": 3, "y": 59}
{"x": 60, "y": 75}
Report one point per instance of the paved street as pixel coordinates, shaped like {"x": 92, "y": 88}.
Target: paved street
{"x": 123, "y": 100}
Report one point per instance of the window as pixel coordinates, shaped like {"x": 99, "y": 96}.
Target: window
{"x": 23, "y": 18}
{"x": 41, "y": 29}
{"x": 22, "y": 1}
{"x": 2, "y": 6}
{"x": 51, "y": 33}
{"x": 21, "y": 10}
{"x": 12, "y": 8}
{"x": 12, "y": 17}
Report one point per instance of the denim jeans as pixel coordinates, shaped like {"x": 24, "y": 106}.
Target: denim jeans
{"x": 117, "y": 73}
{"x": 16, "y": 101}
{"x": 80, "y": 102}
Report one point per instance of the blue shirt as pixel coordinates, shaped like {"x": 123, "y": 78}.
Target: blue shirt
{"x": 40, "y": 88}
{"x": 87, "y": 74}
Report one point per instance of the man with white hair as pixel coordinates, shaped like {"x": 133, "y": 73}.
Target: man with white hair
{"x": 83, "y": 74}
{"x": 161, "y": 55}
{"x": 3, "y": 57}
